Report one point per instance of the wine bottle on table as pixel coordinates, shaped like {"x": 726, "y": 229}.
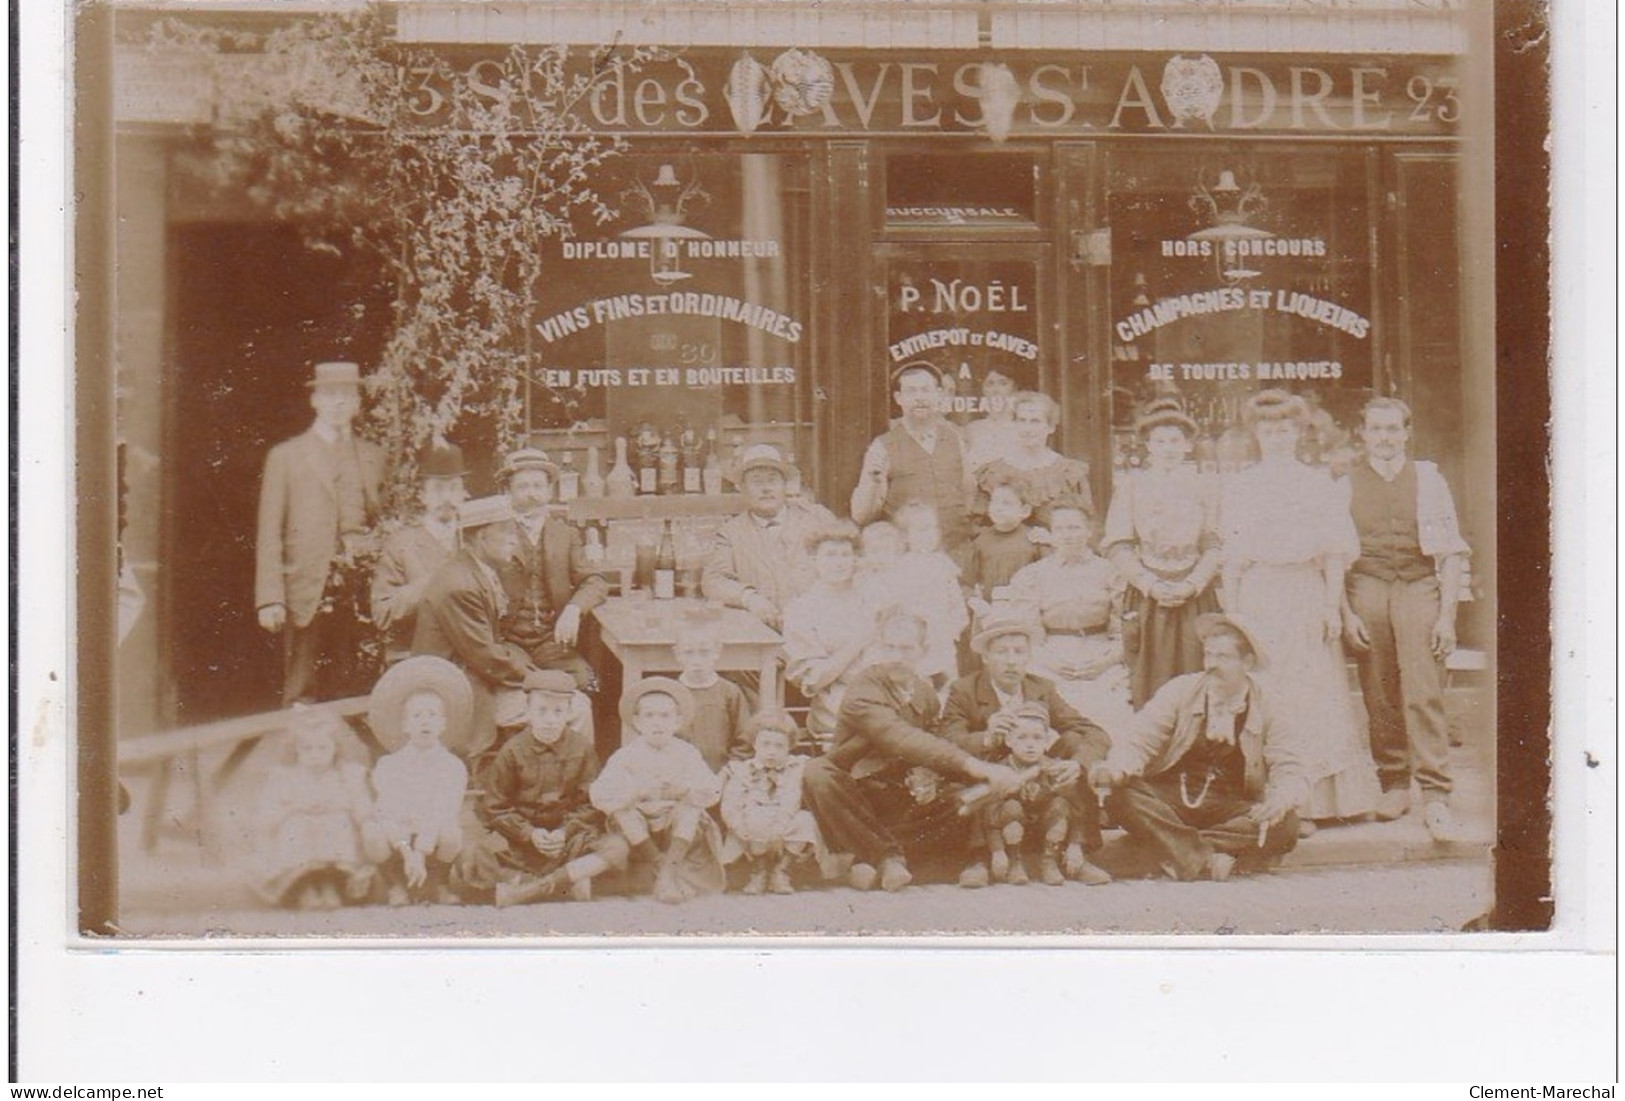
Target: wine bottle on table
{"x": 620, "y": 482}
{"x": 665, "y": 581}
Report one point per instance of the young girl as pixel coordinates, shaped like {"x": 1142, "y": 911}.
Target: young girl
{"x": 721, "y": 708}
{"x": 925, "y": 579}
{"x": 999, "y": 551}
{"x": 828, "y": 628}
{"x": 761, "y": 806}
{"x": 312, "y": 813}
{"x": 656, "y": 789}
{"x": 417, "y": 826}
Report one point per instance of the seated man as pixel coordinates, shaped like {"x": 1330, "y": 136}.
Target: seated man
{"x": 980, "y": 712}
{"x": 876, "y": 794}
{"x": 546, "y": 595}
{"x": 760, "y": 561}
{"x": 460, "y": 619}
{"x": 1207, "y": 779}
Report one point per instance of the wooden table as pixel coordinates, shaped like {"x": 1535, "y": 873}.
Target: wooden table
{"x": 640, "y": 633}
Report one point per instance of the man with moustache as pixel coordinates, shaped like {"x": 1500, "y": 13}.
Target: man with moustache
{"x": 1399, "y": 613}
{"x": 980, "y": 711}
{"x": 1207, "y": 779}
{"x": 760, "y": 561}
{"x": 921, "y": 457}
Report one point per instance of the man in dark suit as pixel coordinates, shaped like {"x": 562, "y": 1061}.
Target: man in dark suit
{"x": 460, "y": 615}
{"x": 412, "y": 554}
{"x": 981, "y": 710}
{"x": 547, "y": 586}
{"x": 318, "y": 500}
{"x": 887, "y": 791}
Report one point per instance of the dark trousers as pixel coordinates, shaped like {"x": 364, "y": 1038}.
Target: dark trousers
{"x": 876, "y": 818}
{"x": 1180, "y": 839}
{"x": 1403, "y": 683}
{"x": 323, "y": 660}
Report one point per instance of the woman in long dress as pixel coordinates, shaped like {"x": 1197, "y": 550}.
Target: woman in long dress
{"x": 1161, "y": 534}
{"x": 1044, "y": 474}
{"x": 1287, "y": 539}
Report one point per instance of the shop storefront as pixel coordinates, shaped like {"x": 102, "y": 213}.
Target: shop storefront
{"x": 1102, "y": 219}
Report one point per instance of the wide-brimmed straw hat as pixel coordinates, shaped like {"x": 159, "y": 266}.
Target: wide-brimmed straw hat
{"x": 423, "y": 673}
{"x": 664, "y": 686}
{"x": 1208, "y": 622}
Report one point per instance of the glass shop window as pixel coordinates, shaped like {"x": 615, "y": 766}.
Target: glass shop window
{"x": 1234, "y": 270}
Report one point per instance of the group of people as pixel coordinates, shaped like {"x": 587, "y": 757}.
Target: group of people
{"x": 987, "y": 672}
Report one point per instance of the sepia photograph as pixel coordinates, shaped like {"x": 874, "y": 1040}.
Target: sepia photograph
{"x": 945, "y": 469}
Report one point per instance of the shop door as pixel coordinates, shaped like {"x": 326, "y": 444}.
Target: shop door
{"x": 974, "y": 309}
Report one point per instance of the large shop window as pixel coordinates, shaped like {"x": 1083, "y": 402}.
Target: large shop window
{"x": 687, "y": 311}
{"x": 1233, "y": 270}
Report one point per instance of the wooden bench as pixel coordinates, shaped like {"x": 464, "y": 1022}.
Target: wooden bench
{"x": 240, "y": 735}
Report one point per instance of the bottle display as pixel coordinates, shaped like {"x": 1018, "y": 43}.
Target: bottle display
{"x": 620, "y": 482}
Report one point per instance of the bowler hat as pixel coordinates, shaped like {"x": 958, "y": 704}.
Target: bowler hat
{"x": 663, "y": 686}
{"x": 1209, "y": 622}
{"x": 329, "y": 375}
{"x": 442, "y": 460}
{"x": 527, "y": 458}
{"x": 423, "y": 673}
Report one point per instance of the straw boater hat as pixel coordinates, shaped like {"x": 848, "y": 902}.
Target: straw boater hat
{"x": 763, "y": 455}
{"x": 1208, "y": 622}
{"x": 527, "y": 458}
{"x": 423, "y": 673}
{"x": 917, "y": 365}
{"x": 1162, "y": 413}
{"x": 1005, "y": 620}
{"x": 329, "y": 376}
{"x": 664, "y": 686}
{"x": 442, "y": 460}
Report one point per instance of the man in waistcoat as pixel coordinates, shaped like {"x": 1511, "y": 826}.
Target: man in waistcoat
{"x": 318, "y": 499}
{"x": 921, "y": 457}
{"x": 1400, "y": 613}
{"x": 412, "y": 554}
